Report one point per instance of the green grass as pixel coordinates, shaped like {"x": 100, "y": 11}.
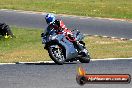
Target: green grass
{"x": 108, "y": 48}
{"x": 93, "y": 8}
{"x": 27, "y": 47}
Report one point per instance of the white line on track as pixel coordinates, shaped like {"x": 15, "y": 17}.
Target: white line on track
{"x": 111, "y": 59}
{"x": 6, "y": 63}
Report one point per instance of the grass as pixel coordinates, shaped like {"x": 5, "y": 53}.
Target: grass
{"x": 92, "y": 8}
{"x": 107, "y": 48}
{"x": 27, "y": 47}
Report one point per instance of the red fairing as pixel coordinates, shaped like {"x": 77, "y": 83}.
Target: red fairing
{"x": 62, "y": 25}
{"x": 66, "y": 31}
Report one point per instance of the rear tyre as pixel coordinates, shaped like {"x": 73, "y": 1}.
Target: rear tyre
{"x": 56, "y": 53}
{"x": 84, "y": 60}
{"x": 85, "y": 57}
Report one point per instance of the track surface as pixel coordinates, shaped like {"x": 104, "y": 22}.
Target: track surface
{"x": 60, "y": 76}
{"x": 94, "y": 26}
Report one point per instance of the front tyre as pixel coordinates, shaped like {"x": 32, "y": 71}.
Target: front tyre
{"x": 56, "y": 54}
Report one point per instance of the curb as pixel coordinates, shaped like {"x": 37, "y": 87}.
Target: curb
{"x": 38, "y": 62}
{"x": 111, "y": 59}
{"x": 115, "y": 38}
{"x": 7, "y": 63}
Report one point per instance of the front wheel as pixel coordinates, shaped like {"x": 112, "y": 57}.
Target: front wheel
{"x": 56, "y": 53}
{"x": 85, "y": 57}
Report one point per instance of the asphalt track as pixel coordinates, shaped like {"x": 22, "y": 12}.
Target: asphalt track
{"x": 60, "y": 76}
{"x": 93, "y": 26}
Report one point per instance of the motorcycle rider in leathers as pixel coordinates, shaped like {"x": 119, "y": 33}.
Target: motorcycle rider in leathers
{"x": 60, "y": 28}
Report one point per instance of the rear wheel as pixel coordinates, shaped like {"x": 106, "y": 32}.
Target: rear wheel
{"x": 85, "y": 57}
{"x": 56, "y": 53}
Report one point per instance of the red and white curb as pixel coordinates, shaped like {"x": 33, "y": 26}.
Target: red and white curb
{"x": 52, "y": 62}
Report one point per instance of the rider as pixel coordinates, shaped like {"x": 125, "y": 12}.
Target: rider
{"x": 60, "y": 28}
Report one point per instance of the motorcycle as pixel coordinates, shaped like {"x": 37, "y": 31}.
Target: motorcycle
{"x": 61, "y": 50}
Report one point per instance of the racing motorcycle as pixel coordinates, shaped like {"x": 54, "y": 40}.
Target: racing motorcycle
{"x": 61, "y": 50}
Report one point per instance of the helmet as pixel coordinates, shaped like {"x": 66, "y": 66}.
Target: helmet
{"x": 50, "y": 18}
